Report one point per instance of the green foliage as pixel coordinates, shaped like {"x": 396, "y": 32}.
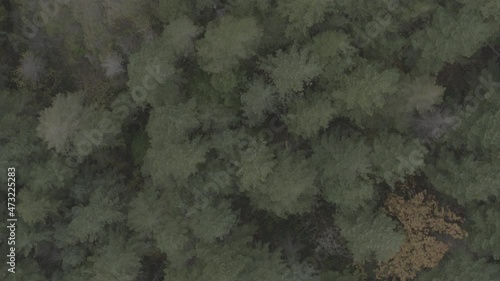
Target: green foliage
{"x": 344, "y": 276}
{"x": 236, "y": 259}
{"x": 29, "y": 236}
{"x": 28, "y": 269}
{"x": 302, "y": 15}
{"x": 451, "y": 36}
{"x": 216, "y": 117}
{"x": 72, "y": 256}
{"x": 484, "y": 234}
{"x": 171, "y": 238}
{"x": 344, "y": 166}
{"x": 172, "y": 123}
{"x": 210, "y": 222}
{"x": 226, "y": 82}
{"x": 92, "y": 19}
{"x": 366, "y": 90}
{"x": 370, "y": 234}
{"x": 139, "y": 146}
{"x": 133, "y": 12}
{"x": 179, "y": 160}
{"x": 289, "y": 189}
{"x": 292, "y": 70}
{"x": 53, "y": 174}
{"x": 146, "y": 212}
{"x": 12, "y": 107}
{"x": 395, "y": 157}
{"x": 461, "y": 266}
{"x": 125, "y": 265}
{"x": 160, "y": 214}
{"x": 481, "y": 131}
{"x": 329, "y": 44}
{"x": 3, "y": 16}
{"x": 152, "y": 73}
{"x": 60, "y": 122}
{"x": 466, "y": 179}
{"x": 179, "y": 36}
{"x": 245, "y": 7}
{"x": 489, "y": 9}
{"x": 18, "y": 139}
{"x": 424, "y": 93}
{"x": 36, "y": 207}
{"x": 256, "y": 164}
{"x": 171, "y": 152}
{"x": 226, "y": 42}
{"x": 307, "y": 117}
{"x": 415, "y": 94}
{"x": 89, "y": 221}
{"x": 170, "y": 9}
{"x": 237, "y": 123}
{"x": 257, "y": 101}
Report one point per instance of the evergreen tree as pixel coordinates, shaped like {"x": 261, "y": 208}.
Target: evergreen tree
{"x": 125, "y": 263}
{"x": 462, "y": 266}
{"x": 226, "y": 42}
{"x": 370, "y": 235}
{"x": 484, "y": 230}
{"x": 452, "y": 35}
{"x": 292, "y": 70}
{"x": 466, "y": 179}
{"x": 395, "y": 157}
{"x": 302, "y": 15}
{"x": 366, "y": 90}
{"x": 289, "y": 188}
{"x": 344, "y": 166}
{"x": 183, "y": 140}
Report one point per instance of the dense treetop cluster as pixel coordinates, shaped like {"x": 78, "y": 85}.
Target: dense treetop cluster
{"x": 273, "y": 140}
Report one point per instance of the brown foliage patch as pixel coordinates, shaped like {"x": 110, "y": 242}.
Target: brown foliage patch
{"x": 421, "y": 217}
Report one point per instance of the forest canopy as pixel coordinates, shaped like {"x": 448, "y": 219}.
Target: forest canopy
{"x": 244, "y": 140}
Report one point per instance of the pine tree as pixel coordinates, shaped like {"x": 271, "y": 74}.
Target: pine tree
{"x": 395, "y": 157}
{"x": 146, "y": 212}
{"x": 179, "y": 36}
{"x": 292, "y": 70}
{"x": 302, "y": 15}
{"x": 366, "y": 91}
{"x": 451, "y": 36}
{"x": 306, "y": 117}
{"x": 342, "y": 276}
{"x": 461, "y": 266}
{"x": 236, "y": 259}
{"x": 212, "y": 221}
{"x": 344, "y": 166}
{"x": 171, "y": 9}
{"x": 59, "y": 123}
{"x": 125, "y": 263}
{"x": 258, "y": 100}
{"x": 35, "y": 207}
{"x": 256, "y": 164}
{"x": 289, "y": 189}
{"x": 466, "y": 179}
{"x": 171, "y": 152}
{"x": 31, "y": 68}
{"x": 152, "y": 75}
{"x": 88, "y": 222}
{"x": 370, "y": 235}
{"x": 241, "y": 119}
{"x": 484, "y": 234}
{"x": 226, "y": 42}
